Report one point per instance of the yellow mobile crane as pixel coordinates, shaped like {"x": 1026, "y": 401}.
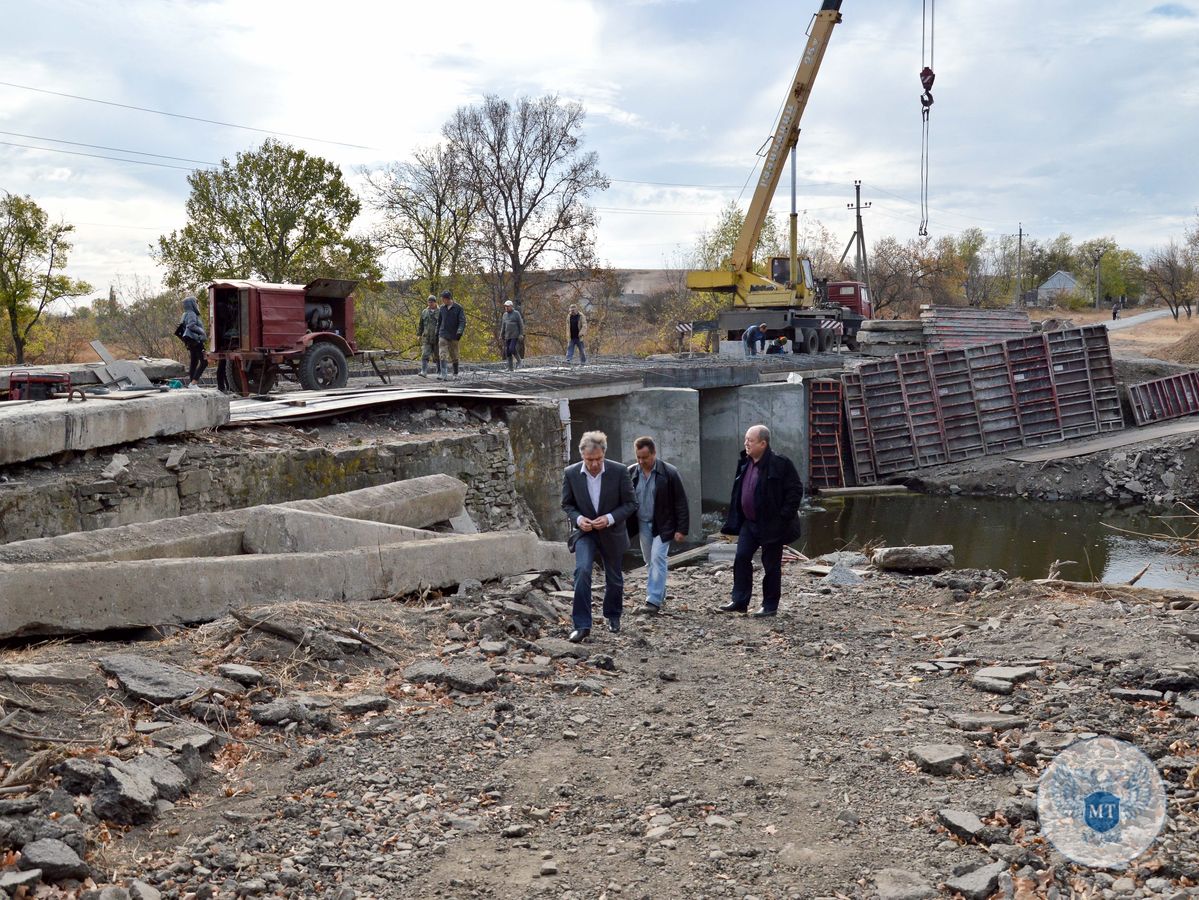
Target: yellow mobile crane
{"x": 790, "y": 305}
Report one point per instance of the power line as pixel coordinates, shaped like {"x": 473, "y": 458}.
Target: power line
{"x": 38, "y": 137}
{"x": 162, "y": 112}
{"x": 140, "y": 162}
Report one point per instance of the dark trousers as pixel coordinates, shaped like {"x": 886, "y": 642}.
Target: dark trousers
{"x": 512, "y": 351}
{"x": 198, "y": 362}
{"x": 586, "y": 551}
{"x": 222, "y": 375}
{"x": 748, "y": 541}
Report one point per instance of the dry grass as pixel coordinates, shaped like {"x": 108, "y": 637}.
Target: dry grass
{"x": 1153, "y": 338}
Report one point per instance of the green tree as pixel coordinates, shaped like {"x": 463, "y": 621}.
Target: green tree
{"x": 714, "y": 250}
{"x": 524, "y": 162}
{"x": 33, "y": 255}
{"x": 277, "y": 214}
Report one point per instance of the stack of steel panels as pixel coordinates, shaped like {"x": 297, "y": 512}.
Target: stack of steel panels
{"x": 922, "y": 409}
{"x": 1171, "y": 397}
{"x": 948, "y": 327}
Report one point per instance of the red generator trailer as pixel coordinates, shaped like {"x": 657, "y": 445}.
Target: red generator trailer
{"x": 303, "y": 332}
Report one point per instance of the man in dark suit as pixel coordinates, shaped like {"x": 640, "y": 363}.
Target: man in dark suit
{"x": 763, "y": 512}
{"x": 598, "y": 497}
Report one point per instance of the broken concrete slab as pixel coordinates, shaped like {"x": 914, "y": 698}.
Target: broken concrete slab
{"x": 47, "y": 673}
{"x": 415, "y": 503}
{"x": 89, "y": 373}
{"x": 159, "y": 682}
{"x": 71, "y": 598}
{"x": 980, "y": 721}
{"x": 939, "y": 759}
{"x": 47, "y": 427}
{"x": 1013, "y": 674}
{"x": 276, "y": 529}
{"x": 932, "y": 558}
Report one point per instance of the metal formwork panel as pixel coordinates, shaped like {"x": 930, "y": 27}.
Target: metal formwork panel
{"x": 915, "y": 372}
{"x": 995, "y": 397}
{"x": 825, "y": 466}
{"x": 861, "y": 447}
{"x": 1037, "y": 408}
{"x": 955, "y": 396}
{"x": 887, "y": 412}
{"x": 1171, "y": 397}
{"x": 1072, "y": 380}
{"x": 1104, "y": 384}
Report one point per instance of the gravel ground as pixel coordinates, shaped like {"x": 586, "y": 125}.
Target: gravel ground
{"x": 458, "y": 747}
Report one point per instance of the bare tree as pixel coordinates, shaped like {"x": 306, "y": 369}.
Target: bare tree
{"x": 140, "y": 320}
{"x": 429, "y": 214}
{"x": 525, "y": 165}
{"x": 1170, "y": 276}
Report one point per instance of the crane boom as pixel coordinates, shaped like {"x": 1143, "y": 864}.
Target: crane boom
{"x": 786, "y": 133}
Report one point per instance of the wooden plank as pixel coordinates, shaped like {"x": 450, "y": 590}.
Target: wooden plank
{"x": 870, "y": 490}
{"x": 1108, "y": 442}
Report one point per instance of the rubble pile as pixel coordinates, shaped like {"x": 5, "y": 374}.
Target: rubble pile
{"x": 883, "y": 737}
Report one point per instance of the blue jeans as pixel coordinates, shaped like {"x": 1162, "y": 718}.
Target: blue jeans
{"x": 654, "y": 551}
{"x": 586, "y": 550}
{"x": 570, "y": 351}
{"x": 750, "y": 348}
{"x": 749, "y": 541}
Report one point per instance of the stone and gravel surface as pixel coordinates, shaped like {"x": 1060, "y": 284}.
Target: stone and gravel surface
{"x": 882, "y": 737}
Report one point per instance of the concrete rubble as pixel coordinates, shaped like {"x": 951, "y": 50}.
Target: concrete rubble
{"x": 357, "y": 546}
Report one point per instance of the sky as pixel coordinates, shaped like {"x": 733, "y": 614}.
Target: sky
{"x": 1077, "y": 116}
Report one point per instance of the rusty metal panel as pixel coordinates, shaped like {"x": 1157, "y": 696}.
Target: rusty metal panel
{"x": 282, "y": 319}
{"x": 887, "y": 412}
{"x": 825, "y": 466}
{"x": 1171, "y": 397}
{"x": 996, "y": 397}
{"x": 1104, "y": 385}
{"x": 1072, "y": 379}
{"x": 1040, "y": 418}
{"x": 916, "y": 375}
{"x": 861, "y": 446}
{"x": 959, "y": 411}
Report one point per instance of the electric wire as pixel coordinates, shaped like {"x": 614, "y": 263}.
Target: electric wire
{"x": 140, "y": 162}
{"x": 38, "y": 137}
{"x": 162, "y": 112}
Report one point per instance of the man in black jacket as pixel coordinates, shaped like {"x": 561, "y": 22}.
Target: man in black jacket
{"x": 763, "y": 512}
{"x": 662, "y": 517}
{"x": 451, "y": 322}
{"x": 598, "y": 497}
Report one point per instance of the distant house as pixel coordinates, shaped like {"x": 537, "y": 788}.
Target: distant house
{"x": 1057, "y": 287}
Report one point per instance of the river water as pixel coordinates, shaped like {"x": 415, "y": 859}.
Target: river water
{"x": 1021, "y": 537}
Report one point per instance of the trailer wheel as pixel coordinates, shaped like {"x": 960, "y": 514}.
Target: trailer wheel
{"x": 323, "y": 366}
{"x": 808, "y": 341}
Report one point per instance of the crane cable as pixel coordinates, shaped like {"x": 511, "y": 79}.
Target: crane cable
{"x": 927, "y": 29}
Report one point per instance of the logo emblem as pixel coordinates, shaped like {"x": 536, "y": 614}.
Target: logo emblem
{"x": 1101, "y": 802}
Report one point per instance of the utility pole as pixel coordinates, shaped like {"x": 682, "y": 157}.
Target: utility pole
{"x": 1097, "y": 255}
{"x": 1019, "y": 265}
{"x": 858, "y": 241}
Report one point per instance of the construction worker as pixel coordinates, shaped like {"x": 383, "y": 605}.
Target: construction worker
{"x": 426, "y": 332}
{"x": 754, "y": 335}
{"x": 451, "y": 325}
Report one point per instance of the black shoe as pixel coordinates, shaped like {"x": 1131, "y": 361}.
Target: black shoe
{"x": 579, "y": 635}
{"x": 647, "y": 609}
{"x": 764, "y": 613}
{"x": 732, "y": 607}
{"x": 614, "y": 625}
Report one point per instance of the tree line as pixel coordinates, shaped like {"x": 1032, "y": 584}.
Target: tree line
{"x": 498, "y": 209}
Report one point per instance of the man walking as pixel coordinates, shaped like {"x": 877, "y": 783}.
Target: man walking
{"x": 512, "y": 329}
{"x": 662, "y": 517}
{"x": 426, "y": 333}
{"x": 754, "y": 339}
{"x": 763, "y": 512}
{"x": 451, "y": 322}
{"x": 578, "y": 330}
{"x": 598, "y": 497}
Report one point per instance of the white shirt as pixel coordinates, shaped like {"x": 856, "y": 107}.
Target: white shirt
{"x": 593, "y": 491}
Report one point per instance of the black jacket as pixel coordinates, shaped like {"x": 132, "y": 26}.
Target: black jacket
{"x": 616, "y": 498}
{"x": 451, "y": 322}
{"x": 776, "y": 499}
{"x": 670, "y": 501}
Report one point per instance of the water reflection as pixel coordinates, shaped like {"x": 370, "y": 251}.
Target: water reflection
{"x": 1021, "y": 537}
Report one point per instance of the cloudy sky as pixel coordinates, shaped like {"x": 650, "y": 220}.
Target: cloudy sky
{"x": 1073, "y": 116}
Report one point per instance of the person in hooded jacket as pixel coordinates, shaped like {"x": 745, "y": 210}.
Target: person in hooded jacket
{"x": 194, "y": 336}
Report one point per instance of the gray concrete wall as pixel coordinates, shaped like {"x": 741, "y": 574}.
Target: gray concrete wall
{"x": 671, "y": 417}
{"x": 536, "y": 437}
{"x": 726, "y": 413}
